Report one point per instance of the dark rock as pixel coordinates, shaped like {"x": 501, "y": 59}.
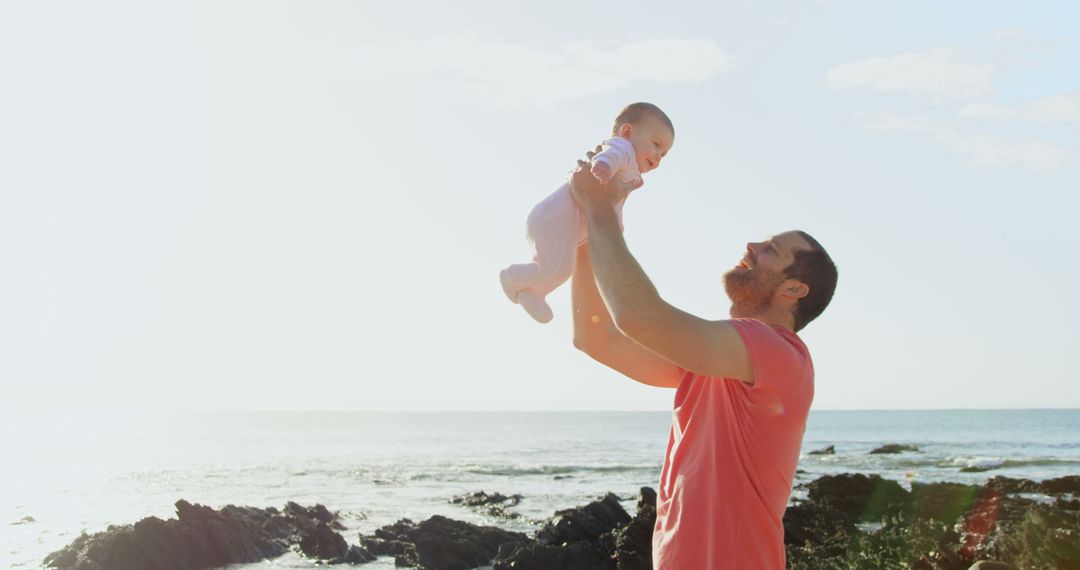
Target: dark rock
{"x": 831, "y": 450}
{"x": 201, "y": 537}
{"x": 481, "y": 498}
{"x": 857, "y": 496}
{"x": 318, "y": 512}
{"x": 358, "y": 555}
{"x": 893, "y": 448}
{"x": 440, "y": 543}
{"x": 172, "y": 546}
{"x": 1070, "y": 484}
{"x": 581, "y": 537}
{"x": 1068, "y": 504}
{"x": 977, "y": 469}
{"x": 1044, "y": 536}
{"x": 323, "y": 543}
{"x": 939, "y": 526}
{"x": 586, "y": 523}
{"x": 496, "y": 505}
{"x": 1008, "y": 485}
{"x": 943, "y": 502}
{"x": 633, "y": 542}
{"x": 535, "y": 556}
{"x": 811, "y": 522}
{"x": 1061, "y": 485}
{"x": 392, "y": 540}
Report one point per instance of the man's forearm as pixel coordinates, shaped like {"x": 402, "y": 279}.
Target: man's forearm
{"x": 591, "y": 319}
{"x": 625, "y": 288}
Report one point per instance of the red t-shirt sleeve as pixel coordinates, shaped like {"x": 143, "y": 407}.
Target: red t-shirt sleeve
{"x": 779, "y": 368}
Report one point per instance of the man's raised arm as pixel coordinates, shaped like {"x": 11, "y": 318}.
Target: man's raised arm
{"x": 712, "y": 348}
{"x": 595, "y": 334}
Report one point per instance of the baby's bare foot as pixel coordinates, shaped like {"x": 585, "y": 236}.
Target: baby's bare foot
{"x": 535, "y": 305}
{"x": 508, "y": 285}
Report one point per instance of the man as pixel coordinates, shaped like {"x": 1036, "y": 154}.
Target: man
{"x": 744, "y": 384}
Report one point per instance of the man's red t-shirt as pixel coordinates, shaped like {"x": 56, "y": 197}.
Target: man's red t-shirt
{"x": 731, "y": 458}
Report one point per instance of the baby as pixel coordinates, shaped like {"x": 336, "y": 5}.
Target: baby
{"x": 641, "y": 137}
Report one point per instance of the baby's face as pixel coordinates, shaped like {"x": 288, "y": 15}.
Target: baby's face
{"x": 652, "y": 139}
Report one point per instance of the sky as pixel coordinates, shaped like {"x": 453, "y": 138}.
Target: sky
{"x": 304, "y": 206}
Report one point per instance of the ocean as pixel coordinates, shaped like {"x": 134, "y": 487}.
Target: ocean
{"x": 74, "y": 474}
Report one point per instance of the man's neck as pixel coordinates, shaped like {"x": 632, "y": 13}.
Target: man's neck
{"x": 773, "y": 316}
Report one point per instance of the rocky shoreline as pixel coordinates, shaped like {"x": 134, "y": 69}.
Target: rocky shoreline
{"x": 846, "y": 521}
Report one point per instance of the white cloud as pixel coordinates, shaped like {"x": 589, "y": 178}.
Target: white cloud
{"x": 936, "y": 72}
{"x": 516, "y": 74}
{"x": 979, "y": 148}
{"x": 990, "y": 150}
{"x": 988, "y": 111}
{"x": 1057, "y": 109}
{"x": 897, "y": 123}
{"x": 949, "y": 75}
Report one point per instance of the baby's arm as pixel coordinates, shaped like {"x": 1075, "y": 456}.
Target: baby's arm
{"x": 611, "y": 159}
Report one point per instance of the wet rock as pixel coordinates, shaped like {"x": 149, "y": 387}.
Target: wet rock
{"x": 893, "y": 448}
{"x": 587, "y": 523}
{"x": 858, "y": 496}
{"x": 633, "y": 542}
{"x": 808, "y": 522}
{"x": 357, "y": 555}
{"x": 535, "y": 556}
{"x": 440, "y": 543}
{"x": 318, "y": 512}
{"x": 581, "y": 537}
{"x": 830, "y": 450}
{"x": 1043, "y": 536}
{"x": 323, "y": 543}
{"x": 1061, "y": 485}
{"x": 938, "y": 526}
{"x": 943, "y": 502}
{"x": 496, "y": 504}
{"x": 1011, "y": 486}
{"x": 202, "y": 537}
{"x": 1069, "y": 484}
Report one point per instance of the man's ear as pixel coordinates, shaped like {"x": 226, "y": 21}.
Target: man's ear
{"x": 794, "y": 288}
{"x": 625, "y": 130}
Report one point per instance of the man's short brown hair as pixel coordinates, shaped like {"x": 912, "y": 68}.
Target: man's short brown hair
{"x": 815, "y": 268}
{"x": 635, "y": 112}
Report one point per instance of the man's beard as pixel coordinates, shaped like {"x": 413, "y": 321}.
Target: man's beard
{"x": 751, "y": 291}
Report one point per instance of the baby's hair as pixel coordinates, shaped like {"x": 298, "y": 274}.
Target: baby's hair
{"x": 635, "y": 112}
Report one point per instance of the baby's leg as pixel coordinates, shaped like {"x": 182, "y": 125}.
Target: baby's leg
{"x": 554, "y": 228}
{"x": 534, "y": 302}
{"x": 552, "y": 266}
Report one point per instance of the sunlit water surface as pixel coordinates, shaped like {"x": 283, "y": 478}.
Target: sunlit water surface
{"x": 69, "y": 474}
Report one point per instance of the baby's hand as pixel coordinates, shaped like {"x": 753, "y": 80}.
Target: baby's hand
{"x": 601, "y": 171}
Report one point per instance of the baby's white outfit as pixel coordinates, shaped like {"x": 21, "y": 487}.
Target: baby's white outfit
{"x": 556, "y": 227}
